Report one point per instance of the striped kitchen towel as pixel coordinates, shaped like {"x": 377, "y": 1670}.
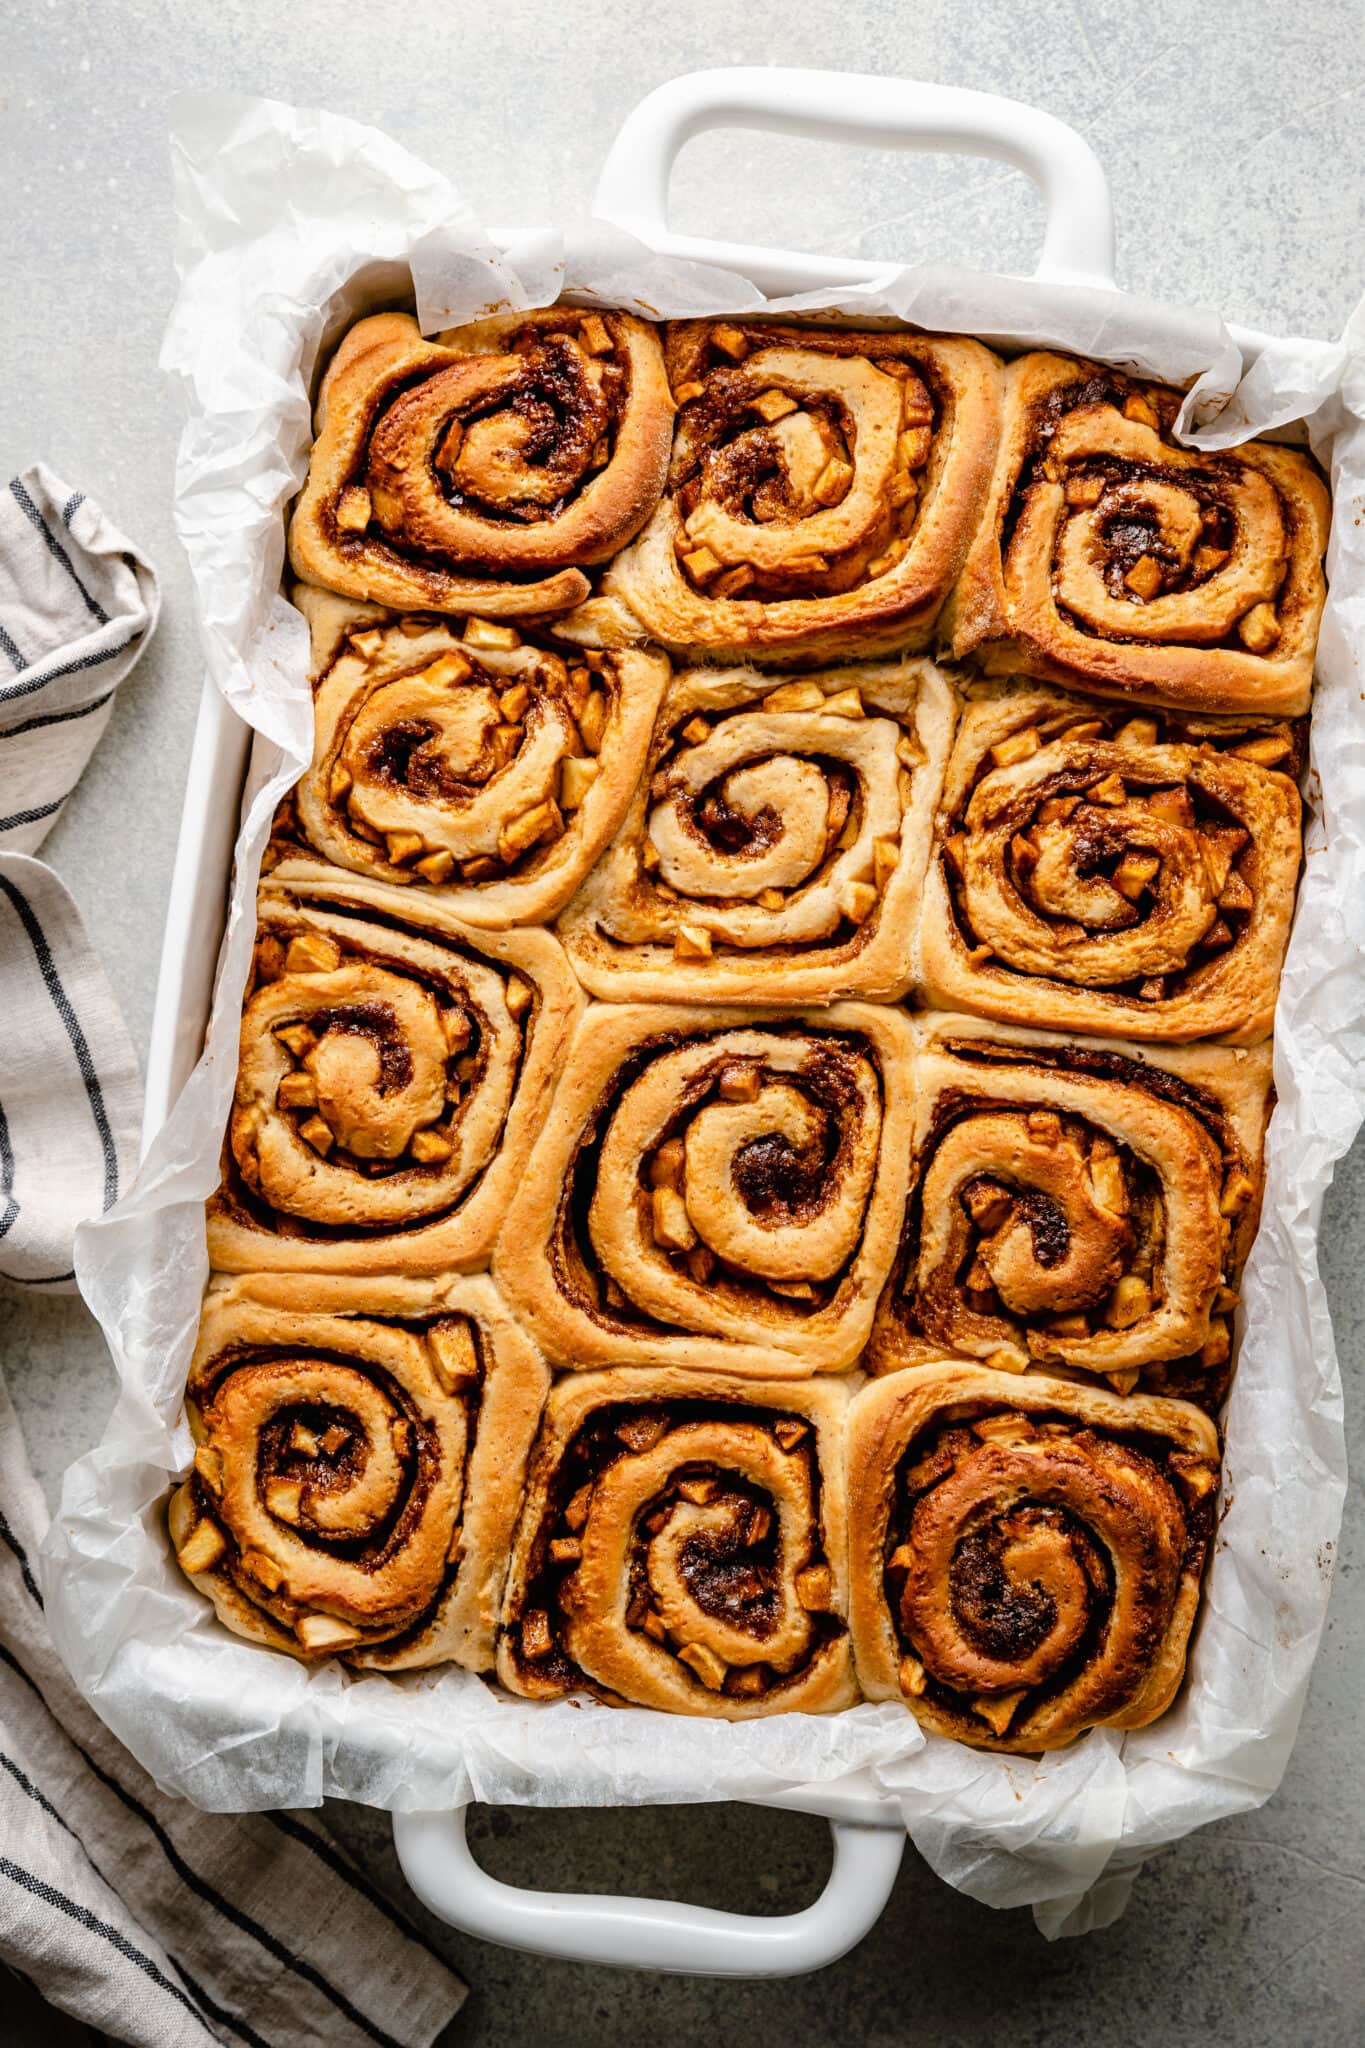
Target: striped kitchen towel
{"x": 157, "y": 1924}
{"x": 77, "y": 606}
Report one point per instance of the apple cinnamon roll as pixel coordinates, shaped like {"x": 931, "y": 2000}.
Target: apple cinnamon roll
{"x": 463, "y": 759}
{"x": 681, "y": 1546}
{"x": 479, "y": 471}
{"x": 715, "y": 1189}
{"x": 1112, "y": 559}
{"x": 359, "y": 1454}
{"x": 392, "y": 1076}
{"x": 1097, "y": 869}
{"x": 823, "y": 489}
{"x": 775, "y": 848}
{"x": 1025, "y": 1556}
{"x": 1077, "y": 1206}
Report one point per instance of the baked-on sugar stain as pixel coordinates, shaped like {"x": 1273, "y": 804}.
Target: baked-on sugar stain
{"x": 377, "y": 1022}
{"x": 389, "y": 756}
{"x": 1005, "y": 1616}
{"x": 563, "y": 412}
{"x": 773, "y": 1174}
{"x": 729, "y": 1587}
{"x": 1047, "y": 1225}
{"x": 731, "y": 830}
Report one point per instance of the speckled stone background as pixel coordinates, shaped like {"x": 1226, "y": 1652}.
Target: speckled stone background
{"x": 1232, "y": 134}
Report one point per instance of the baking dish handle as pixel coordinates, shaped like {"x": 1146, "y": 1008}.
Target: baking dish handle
{"x": 885, "y": 113}
{"x": 651, "y": 1934}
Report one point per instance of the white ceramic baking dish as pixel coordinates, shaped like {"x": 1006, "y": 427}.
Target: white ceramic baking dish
{"x": 1078, "y": 249}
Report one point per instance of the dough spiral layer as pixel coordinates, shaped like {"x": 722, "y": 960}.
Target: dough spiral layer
{"x": 463, "y": 760}
{"x": 775, "y": 847}
{"x": 1024, "y": 1556}
{"x": 480, "y": 471}
{"x": 1111, "y": 558}
{"x": 1077, "y": 1207}
{"x": 360, "y": 1448}
{"x": 823, "y": 488}
{"x": 867, "y": 1321}
{"x": 681, "y": 1546}
{"x": 391, "y": 1078}
{"x": 1100, "y": 870}
{"x": 714, "y": 1188}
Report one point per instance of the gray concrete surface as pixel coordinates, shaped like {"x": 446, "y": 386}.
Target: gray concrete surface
{"x": 1232, "y": 135}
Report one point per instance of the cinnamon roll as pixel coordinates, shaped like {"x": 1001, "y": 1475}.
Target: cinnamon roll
{"x": 776, "y": 846}
{"x": 1100, "y": 869}
{"x": 681, "y": 1546}
{"x": 359, "y": 1454}
{"x": 463, "y": 760}
{"x": 1077, "y": 1206}
{"x": 1024, "y": 1556}
{"x": 1112, "y": 559}
{"x": 480, "y": 471}
{"x": 392, "y": 1076}
{"x": 823, "y": 488}
{"x": 716, "y": 1189}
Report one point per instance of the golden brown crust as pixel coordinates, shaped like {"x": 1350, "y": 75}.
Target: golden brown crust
{"x": 1025, "y": 1555}
{"x": 823, "y": 488}
{"x": 475, "y": 767}
{"x": 715, "y": 1188}
{"x": 1110, "y": 559}
{"x": 1100, "y": 870}
{"x": 480, "y": 471}
{"x": 682, "y": 1546}
{"x": 360, "y": 1450}
{"x": 712, "y": 1196}
{"x": 1076, "y": 1206}
{"x": 392, "y": 1078}
{"x": 774, "y": 847}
